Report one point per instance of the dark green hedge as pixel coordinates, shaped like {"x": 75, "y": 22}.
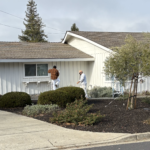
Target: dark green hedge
{"x": 15, "y": 99}
{"x": 75, "y": 92}
{"x": 61, "y": 96}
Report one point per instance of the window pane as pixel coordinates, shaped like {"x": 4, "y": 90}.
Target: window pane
{"x": 30, "y": 70}
{"x": 42, "y": 70}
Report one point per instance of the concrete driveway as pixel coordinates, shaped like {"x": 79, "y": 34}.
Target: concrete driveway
{"x": 18, "y": 132}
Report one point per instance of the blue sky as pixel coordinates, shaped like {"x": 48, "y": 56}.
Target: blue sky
{"x": 93, "y": 15}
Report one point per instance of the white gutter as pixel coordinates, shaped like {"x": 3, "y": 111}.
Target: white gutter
{"x": 45, "y": 60}
{"x": 87, "y": 40}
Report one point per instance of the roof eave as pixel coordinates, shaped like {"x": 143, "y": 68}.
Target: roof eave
{"x": 44, "y": 60}
{"x": 87, "y": 40}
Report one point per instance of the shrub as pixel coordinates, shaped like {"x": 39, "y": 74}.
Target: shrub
{"x": 122, "y": 97}
{"x": 97, "y": 92}
{"x": 61, "y": 96}
{"x": 74, "y": 92}
{"x": 15, "y": 99}
{"x": 77, "y": 113}
{"x": 39, "y": 109}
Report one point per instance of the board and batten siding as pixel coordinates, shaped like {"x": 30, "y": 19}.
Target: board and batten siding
{"x": 95, "y": 69}
{"x": 12, "y": 76}
{"x": 96, "y": 76}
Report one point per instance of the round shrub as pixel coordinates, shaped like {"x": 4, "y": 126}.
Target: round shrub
{"x": 74, "y": 92}
{"x": 61, "y": 98}
{"x": 15, "y": 99}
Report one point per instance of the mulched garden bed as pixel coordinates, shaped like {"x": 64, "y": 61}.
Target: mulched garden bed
{"x": 116, "y": 119}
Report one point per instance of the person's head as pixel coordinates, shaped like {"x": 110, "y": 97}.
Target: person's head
{"x": 80, "y": 72}
{"x": 54, "y": 67}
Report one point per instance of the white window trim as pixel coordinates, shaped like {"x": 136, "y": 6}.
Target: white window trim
{"x": 30, "y": 77}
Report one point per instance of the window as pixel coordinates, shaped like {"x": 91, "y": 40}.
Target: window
{"x": 30, "y": 70}
{"x": 36, "y": 70}
{"x": 42, "y": 69}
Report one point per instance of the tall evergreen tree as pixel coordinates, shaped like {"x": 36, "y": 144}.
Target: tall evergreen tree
{"x": 33, "y": 25}
{"x": 74, "y": 27}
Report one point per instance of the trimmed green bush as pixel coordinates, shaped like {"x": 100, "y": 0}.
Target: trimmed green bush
{"x": 15, "y": 99}
{"x": 75, "y": 92}
{"x": 39, "y": 109}
{"x": 61, "y": 96}
{"x": 77, "y": 113}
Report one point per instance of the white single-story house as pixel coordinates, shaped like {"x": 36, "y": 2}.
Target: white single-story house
{"x": 24, "y": 66}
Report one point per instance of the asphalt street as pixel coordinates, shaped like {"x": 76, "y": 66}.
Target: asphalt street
{"x": 131, "y": 146}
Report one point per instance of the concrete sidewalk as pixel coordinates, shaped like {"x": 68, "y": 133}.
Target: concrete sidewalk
{"x": 18, "y": 132}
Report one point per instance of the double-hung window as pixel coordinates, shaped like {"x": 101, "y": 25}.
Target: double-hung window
{"x": 36, "y": 70}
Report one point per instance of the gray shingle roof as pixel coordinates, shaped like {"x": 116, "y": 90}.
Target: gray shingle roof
{"x": 109, "y": 39}
{"x": 24, "y": 50}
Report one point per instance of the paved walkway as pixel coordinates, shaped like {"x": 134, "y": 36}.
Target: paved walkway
{"x": 18, "y": 132}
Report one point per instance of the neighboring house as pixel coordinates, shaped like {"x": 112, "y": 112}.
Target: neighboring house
{"x": 24, "y": 66}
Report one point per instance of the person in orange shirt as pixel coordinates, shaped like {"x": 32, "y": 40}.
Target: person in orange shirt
{"x": 54, "y": 77}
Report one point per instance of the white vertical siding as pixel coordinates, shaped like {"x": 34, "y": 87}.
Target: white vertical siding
{"x": 12, "y": 75}
{"x": 95, "y": 69}
{"x": 4, "y": 78}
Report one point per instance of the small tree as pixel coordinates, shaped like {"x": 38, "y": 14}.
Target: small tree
{"x": 131, "y": 60}
{"x": 74, "y": 27}
{"x": 34, "y": 25}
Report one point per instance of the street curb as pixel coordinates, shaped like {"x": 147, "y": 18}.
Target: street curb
{"x": 127, "y": 138}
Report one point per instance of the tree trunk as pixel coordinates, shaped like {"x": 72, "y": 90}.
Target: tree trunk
{"x": 133, "y": 93}
{"x": 136, "y": 91}
{"x": 129, "y": 94}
